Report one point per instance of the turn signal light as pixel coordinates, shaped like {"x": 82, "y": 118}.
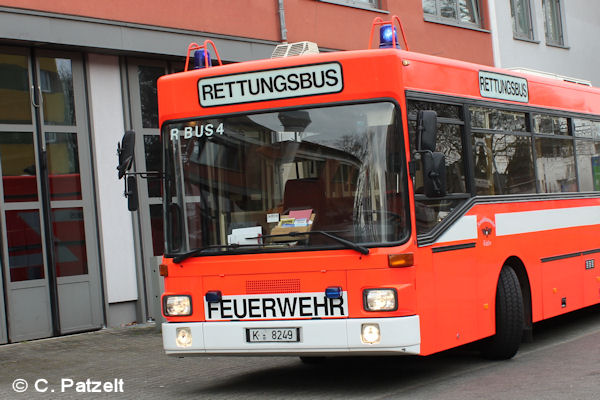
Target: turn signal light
{"x": 164, "y": 270}
{"x": 401, "y": 260}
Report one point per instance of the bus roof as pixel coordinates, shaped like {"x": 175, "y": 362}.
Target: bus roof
{"x": 370, "y": 74}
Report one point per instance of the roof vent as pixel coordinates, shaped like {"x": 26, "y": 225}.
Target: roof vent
{"x": 552, "y": 75}
{"x": 295, "y": 49}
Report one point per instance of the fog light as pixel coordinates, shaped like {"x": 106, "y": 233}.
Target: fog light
{"x": 183, "y": 337}
{"x": 380, "y": 300}
{"x": 370, "y": 334}
{"x": 177, "y": 305}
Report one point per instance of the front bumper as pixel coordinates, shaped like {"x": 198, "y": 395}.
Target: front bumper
{"x": 317, "y": 337}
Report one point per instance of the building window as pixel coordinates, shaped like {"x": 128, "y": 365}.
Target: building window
{"x": 553, "y": 22}
{"x": 370, "y": 3}
{"x": 460, "y": 12}
{"x": 364, "y": 4}
{"x": 520, "y": 11}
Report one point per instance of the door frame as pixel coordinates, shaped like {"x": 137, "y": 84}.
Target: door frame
{"x": 151, "y": 283}
{"x": 3, "y": 327}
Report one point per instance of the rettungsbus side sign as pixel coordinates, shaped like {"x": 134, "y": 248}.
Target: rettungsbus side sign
{"x": 503, "y": 87}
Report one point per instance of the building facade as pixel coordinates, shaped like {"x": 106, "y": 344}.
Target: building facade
{"x": 75, "y": 75}
{"x": 554, "y": 36}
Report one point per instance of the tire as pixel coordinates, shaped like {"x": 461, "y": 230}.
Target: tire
{"x": 311, "y": 360}
{"x": 509, "y": 318}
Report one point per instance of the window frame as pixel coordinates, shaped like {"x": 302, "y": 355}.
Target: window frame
{"x": 171, "y": 192}
{"x": 369, "y": 5}
{"x": 557, "y": 18}
{"x": 455, "y": 21}
{"x": 530, "y": 36}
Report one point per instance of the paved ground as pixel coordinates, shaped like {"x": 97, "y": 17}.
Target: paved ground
{"x": 562, "y": 363}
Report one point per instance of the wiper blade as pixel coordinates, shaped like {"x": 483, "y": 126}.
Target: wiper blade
{"x": 196, "y": 252}
{"x": 348, "y": 244}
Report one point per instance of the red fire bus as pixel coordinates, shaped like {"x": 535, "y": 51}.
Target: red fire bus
{"x": 374, "y": 202}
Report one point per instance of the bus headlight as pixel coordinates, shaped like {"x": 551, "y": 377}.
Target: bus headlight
{"x": 177, "y": 306}
{"x": 380, "y": 300}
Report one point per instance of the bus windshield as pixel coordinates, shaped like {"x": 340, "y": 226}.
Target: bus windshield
{"x": 291, "y": 179}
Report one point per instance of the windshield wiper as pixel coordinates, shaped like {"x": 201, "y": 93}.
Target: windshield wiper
{"x": 196, "y": 252}
{"x": 201, "y": 250}
{"x": 348, "y": 244}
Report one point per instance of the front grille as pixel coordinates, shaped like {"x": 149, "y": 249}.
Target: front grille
{"x": 273, "y": 286}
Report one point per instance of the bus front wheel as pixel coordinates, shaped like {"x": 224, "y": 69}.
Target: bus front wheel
{"x": 312, "y": 360}
{"x": 509, "y": 318}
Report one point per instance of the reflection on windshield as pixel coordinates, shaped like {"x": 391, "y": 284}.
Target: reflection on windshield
{"x": 252, "y": 180}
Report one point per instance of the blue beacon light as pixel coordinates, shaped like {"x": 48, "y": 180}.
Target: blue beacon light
{"x": 386, "y": 37}
{"x": 199, "y": 59}
{"x": 333, "y": 292}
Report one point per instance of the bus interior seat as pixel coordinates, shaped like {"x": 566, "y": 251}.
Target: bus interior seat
{"x": 303, "y": 194}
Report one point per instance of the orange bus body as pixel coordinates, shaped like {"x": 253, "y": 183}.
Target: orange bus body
{"x": 452, "y": 284}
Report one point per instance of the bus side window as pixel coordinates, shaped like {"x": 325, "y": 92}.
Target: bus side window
{"x": 587, "y": 143}
{"x": 450, "y": 142}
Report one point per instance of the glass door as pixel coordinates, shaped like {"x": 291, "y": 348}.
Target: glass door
{"x": 28, "y": 307}
{"x": 64, "y": 132}
{"x": 47, "y": 220}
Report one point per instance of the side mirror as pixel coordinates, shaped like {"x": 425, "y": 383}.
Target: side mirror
{"x": 434, "y": 174}
{"x": 125, "y": 150}
{"x": 131, "y": 193}
{"x": 426, "y": 130}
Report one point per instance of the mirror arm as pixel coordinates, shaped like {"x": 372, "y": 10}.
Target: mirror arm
{"x": 419, "y": 152}
{"x": 435, "y": 179}
{"x": 146, "y": 175}
{"x": 412, "y": 164}
{"x": 143, "y": 175}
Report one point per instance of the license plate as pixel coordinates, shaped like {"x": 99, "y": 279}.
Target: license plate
{"x": 262, "y": 335}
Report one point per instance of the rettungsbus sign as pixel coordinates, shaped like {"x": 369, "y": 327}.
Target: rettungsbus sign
{"x": 282, "y": 83}
{"x": 503, "y": 87}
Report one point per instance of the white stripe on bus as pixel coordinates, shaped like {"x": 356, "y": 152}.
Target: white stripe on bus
{"x": 544, "y": 220}
{"x": 463, "y": 229}
{"x": 515, "y": 223}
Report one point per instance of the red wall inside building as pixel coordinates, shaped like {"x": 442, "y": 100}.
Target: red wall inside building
{"x": 329, "y": 25}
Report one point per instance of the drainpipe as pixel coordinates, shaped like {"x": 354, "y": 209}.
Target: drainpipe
{"x": 282, "y": 22}
{"x": 494, "y": 32}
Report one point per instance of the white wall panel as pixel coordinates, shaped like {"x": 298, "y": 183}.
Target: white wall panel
{"x": 116, "y": 228}
{"x": 578, "y": 59}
